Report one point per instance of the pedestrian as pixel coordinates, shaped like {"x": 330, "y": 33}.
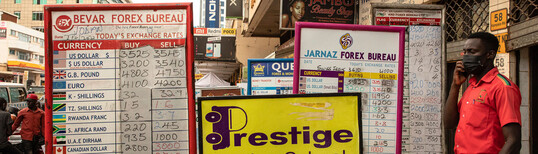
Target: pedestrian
{"x": 487, "y": 117}
{"x": 5, "y": 130}
{"x": 32, "y": 119}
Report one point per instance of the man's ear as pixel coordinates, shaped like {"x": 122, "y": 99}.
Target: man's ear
{"x": 492, "y": 54}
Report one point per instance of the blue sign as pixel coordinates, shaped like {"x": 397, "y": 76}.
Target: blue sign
{"x": 270, "y": 76}
{"x": 212, "y": 13}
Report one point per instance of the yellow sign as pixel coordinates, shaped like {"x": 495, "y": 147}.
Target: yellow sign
{"x": 198, "y": 76}
{"x": 299, "y": 125}
{"x": 228, "y": 31}
{"x": 16, "y": 63}
{"x": 502, "y": 37}
{"x": 368, "y": 75}
{"x": 498, "y": 19}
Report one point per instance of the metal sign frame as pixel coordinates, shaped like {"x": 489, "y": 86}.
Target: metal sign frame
{"x": 202, "y": 99}
{"x": 189, "y": 45}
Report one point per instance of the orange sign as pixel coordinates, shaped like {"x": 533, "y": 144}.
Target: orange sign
{"x": 502, "y": 37}
{"x": 16, "y": 63}
{"x": 198, "y": 76}
{"x": 498, "y": 19}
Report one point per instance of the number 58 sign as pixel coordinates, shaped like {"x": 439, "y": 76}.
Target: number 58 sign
{"x": 498, "y": 19}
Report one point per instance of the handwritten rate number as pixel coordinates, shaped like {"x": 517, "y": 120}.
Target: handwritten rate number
{"x": 161, "y": 83}
{"x": 135, "y": 127}
{"x": 134, "y": 104}
{"x": 166, "y": 137}
{"x": 167, "y": 146}
{"x": 134, "y": 147}
{"x": 126, "y": 117}
{"x": 134, "y": 63}
{"x": 134, "y": 54}
{"x": 135, "y": 137}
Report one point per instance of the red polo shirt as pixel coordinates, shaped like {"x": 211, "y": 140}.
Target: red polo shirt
{"x": 32, "y": 123}
{"x": 484, "y": 108}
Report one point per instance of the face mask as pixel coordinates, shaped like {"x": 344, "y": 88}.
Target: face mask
{"x": 472, "y": 64}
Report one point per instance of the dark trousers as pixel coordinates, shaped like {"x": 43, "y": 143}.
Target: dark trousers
{"x": 30, "y": 147}
{"x": 8, "y": 148}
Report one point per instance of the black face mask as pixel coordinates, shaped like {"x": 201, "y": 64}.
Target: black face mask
{"x": 472, "y": 64}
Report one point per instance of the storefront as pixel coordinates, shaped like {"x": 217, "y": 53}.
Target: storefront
{"x": 22, "y": 72}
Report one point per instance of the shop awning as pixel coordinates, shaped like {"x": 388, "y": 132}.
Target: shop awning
{"x": 25, "y": 65}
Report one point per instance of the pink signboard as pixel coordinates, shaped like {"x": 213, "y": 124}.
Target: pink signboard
{"x": 344, "y": 58}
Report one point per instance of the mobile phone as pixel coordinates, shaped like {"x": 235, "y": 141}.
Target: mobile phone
{"x": 465, "y": 74}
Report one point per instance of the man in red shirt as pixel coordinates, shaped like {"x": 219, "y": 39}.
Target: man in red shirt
{"x": 32, "y": 119}
{"x": 487, "y": 118}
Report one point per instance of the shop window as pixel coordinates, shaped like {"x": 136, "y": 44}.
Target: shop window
{"x": 25, "y": 37}
{"x": 464, "y": 17}
{"x": 522, "y": 10}
{"x": 37, "y": 16}
{"x": 24, "y": 56}
{"x": 41, "y": 43}
{"x": 12, "y": 52}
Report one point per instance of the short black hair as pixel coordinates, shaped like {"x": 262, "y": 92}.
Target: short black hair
{"x": 2, "y": 102}
{"x": 490, "y": 41}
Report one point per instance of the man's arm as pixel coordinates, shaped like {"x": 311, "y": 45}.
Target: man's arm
{"x": 9, "y": 123}
{"x": 512, "y": 138}
{"x": 17, "y": 122}
{"x": 451, "y": 116}
{"x": 42, "y": 124}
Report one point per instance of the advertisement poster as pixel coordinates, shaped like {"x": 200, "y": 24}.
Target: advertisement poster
{"x": 234, "y": 8}
{"x": 120, "y": 79}
{"x": 356, "y": 58}
{"x": 214, "y": 44}
{"x": 407, "y": 17}
{"x": 270, "y": 76}
{"x": 341, "y": 11}
{"x": 212, "y": 13}
{"x": 299, "y": 124}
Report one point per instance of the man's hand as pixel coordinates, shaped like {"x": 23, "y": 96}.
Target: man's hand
{"x": 459, "y": 74}
{"x": 451, "y": 113}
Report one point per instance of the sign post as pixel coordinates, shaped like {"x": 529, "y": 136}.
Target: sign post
{"x": 270, "y": 76}
{"x": 498, "y": 19}
{"x": 119, "y": 78}
{"x": 340, "y": 58}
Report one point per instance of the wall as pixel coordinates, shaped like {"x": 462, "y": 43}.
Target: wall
{"x": 512, "y": 73}
{"x": 253, "y": 47}
{"x": 14, "y": 42}
{"x": 26, "y": 7}
{"x": 524, "y": 80}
